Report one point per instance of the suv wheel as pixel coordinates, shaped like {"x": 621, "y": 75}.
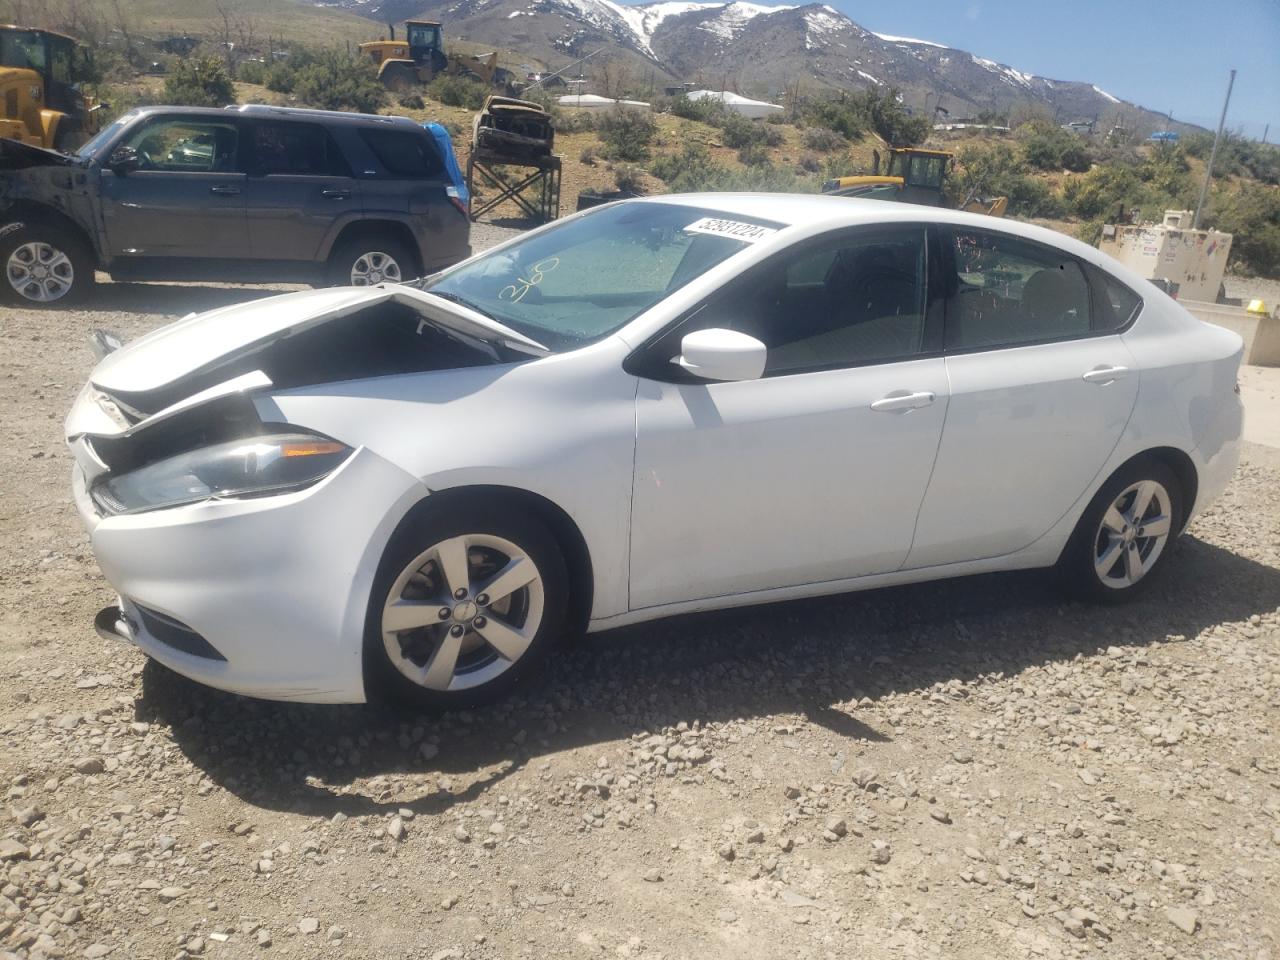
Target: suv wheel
{"x": 367, "y": 262}
{"x": 44, "y": 265}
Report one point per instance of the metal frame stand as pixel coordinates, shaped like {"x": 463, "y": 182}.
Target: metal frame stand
{"x": 536, "y": 193}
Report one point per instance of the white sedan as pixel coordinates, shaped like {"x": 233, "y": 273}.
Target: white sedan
{"x": 655, "y": 407}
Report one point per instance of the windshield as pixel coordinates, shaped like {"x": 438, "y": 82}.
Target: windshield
{"x": 421, "y": 35}
{"x": 104, "y": 135}
{"x": 581, "y": 281}
{"x": 24, "y": 49}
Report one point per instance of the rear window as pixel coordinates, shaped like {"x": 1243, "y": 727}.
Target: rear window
{"x": 297, "y": 149}
{"x": 405, "y": 154}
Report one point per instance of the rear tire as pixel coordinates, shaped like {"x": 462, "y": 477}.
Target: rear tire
{"x": 464, "y": 604}
{"x": 1124, "y": 536}
{"x": 369, "y": 260}
{"x": 45, "y": 265}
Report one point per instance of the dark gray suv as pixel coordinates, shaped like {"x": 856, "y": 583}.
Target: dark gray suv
{"x": 246, "y": 194}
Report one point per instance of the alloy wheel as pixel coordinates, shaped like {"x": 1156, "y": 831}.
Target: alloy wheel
{"x": 1132, "y": 535}
{"x": 374, "y": 267}
{"x": 40, "y": 272}
{"x": 462, "y": 612}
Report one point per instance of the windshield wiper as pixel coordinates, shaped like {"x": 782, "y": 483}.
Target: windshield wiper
{"x": 454, "y": 298}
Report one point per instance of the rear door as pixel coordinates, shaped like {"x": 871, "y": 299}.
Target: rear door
{"x": 298, "y": 186}
{"x": 410, "y": 179}
{"x": 186, "y": 199}
{"x": 1042, "y": 387}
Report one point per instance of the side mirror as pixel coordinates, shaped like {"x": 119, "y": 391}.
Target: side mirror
{"x": 123, "y": 160}
{"x": 719, "y": 354}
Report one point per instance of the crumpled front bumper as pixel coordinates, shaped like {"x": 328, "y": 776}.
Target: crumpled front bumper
{"x": 278, "y": 586}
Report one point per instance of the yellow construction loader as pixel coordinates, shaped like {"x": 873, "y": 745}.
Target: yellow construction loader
{"x": 420, "y": 57}
{"x": 914, "y": 175}
{"x": 40, "y": 101}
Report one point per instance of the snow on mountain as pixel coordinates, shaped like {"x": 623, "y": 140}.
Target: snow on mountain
{"x": 889, "y": 38}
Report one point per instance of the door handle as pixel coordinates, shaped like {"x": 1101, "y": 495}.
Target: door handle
{"x": 900, "y": 401}
{"x": 336, "y": 194}
{"x": 1103, "y": 375}
{"x": 225, "y": 189}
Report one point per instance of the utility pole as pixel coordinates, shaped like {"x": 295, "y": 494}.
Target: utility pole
{"x": 1213, "y": 154}
{"x": 1265, "y": 131}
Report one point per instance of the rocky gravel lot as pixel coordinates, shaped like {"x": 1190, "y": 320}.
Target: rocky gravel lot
{"x": 971, "y": 769}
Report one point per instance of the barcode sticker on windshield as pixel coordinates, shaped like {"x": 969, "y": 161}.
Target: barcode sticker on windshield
{"x": 735, "y": 229}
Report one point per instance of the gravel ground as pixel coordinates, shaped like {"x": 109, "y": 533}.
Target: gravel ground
{"x": 969, "y": 769}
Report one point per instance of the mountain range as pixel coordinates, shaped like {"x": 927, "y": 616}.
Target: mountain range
{"x": 756, "y": 50}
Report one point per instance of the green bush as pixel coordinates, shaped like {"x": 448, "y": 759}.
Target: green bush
{"x": 877, "y": 109}
{"x": 753, "y": 155}
{"x": 693, "y": 169}
{"x": 1160, "y": 182}
{"x": 822, "y": 140}
{"x": 202, "y": 82}
{"x": 252, "y": 71}
{"x": 629, "y": 177}
{"x": 1046, "y": 146}
{"x": 626, "y": 134}
{"x": 336, "y": 81}
{"x": 328, "y": 79}
{"x": 454, "y": 91}
{"x": 993, "y": 171}
{"x": 704, "y": 110}
{"x": 1251, "y": 213}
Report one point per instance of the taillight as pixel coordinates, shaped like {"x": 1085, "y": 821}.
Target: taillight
{"x": 452, "y": 194}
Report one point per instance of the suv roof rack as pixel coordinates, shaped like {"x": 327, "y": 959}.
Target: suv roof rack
{"x": 265, "y": 109}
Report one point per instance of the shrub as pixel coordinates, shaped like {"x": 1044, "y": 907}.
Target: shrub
{"x": 997, "y": 171}
{"x": 336, "y": 81}
{"x": 455, "y": 91}
{"x": 704, "y": 110}
{"x": 693, "y": 169}
{"x": 822, "y": 140}
{"x": 202, "y": 82}
{"x": 412, "y": 102}
{"x": 573, "y": 121}
{"x": 810, "y": 164}
{"x": 626, "y": 134}
{"x": 252, "y": 71}
{"x": 588, "y": 156}
{"x": 629, "y": 177}
{"x": 1047, "y": 146}
{"x": 754, "y": 155}
{"x": 1251, "y": 213}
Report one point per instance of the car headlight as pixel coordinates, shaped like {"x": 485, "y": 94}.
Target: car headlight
{"x": 252, "y": 467}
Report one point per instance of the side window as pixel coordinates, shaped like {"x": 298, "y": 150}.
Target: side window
{"x": 403, "y": 154}
{"x": 847, "y": 302}
{"x": 1008, "y": 291}
{"x": 297, "y": 149}
{"x": 189, "y": 146}
{"x": 1115, "y": 304}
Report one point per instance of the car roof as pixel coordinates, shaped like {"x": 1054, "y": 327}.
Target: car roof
{"x": 828, "y": 212}
{"x": 284, "y": 113}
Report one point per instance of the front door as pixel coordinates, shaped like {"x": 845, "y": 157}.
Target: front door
{"x": 185, "y": 199}
{"x": 1042, "y": 386}
{"x": 815, "y": 472}
{"x": 299, "y": 188}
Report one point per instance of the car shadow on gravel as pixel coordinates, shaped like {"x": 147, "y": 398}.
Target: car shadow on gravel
{"x": 174, "y": 298}
{"x": 822, "y": 659}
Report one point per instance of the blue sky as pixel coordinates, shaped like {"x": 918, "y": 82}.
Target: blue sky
{"x": 1167, "y": 55}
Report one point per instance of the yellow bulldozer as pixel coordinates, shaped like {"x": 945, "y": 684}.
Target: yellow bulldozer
{"x": 914, "y": 175}
{"x": 420, "y": 57}
{"x": 40, "y": 100}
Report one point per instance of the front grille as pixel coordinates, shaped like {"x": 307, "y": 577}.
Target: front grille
{"x": 174, "y": 633}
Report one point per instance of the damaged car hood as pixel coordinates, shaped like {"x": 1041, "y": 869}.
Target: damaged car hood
{"x": 201, "y": 343}
{"x": 16, "y": 155}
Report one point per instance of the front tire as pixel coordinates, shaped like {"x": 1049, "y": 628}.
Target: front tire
{"x": 463, "y": 606}
{"x": 44, "y": 266}
{"x": 1124, "y": 536}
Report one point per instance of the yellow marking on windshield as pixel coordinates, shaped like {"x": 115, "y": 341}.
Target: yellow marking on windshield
{"x": 515, "y": 291}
